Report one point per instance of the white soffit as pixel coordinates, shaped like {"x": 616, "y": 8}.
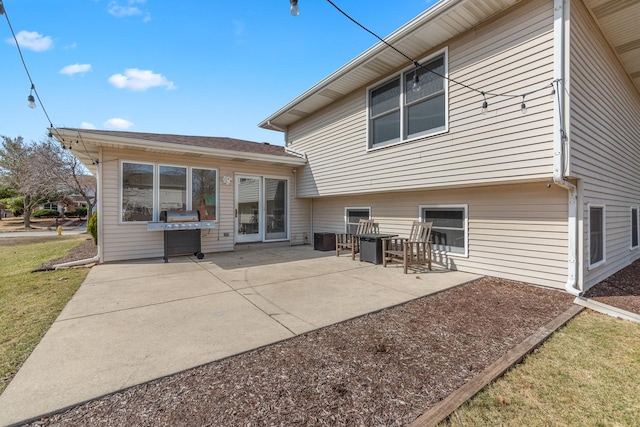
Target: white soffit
{"x": 433, "y": 27}
{"x": 619, "y": 21}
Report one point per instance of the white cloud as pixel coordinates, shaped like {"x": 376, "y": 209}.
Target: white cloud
{"x": 121, "y": 9}
{"x": 33, "y": 41}
{"x": 117, "y": 123}
{"x": 75, "y": 69}
{"x": 139, "y": 80}
{"x": 87, "y": 125}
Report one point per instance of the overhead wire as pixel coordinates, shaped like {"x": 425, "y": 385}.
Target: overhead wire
{"x": 3, "y": 11}
{"x": 418, "y": 65}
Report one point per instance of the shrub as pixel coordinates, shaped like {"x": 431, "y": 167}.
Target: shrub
{"x": 92, "y": 227}
{"x": 46, "y": 213}
{"x": 79, "y": 212}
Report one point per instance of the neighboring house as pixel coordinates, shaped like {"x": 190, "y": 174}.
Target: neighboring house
{"x": 247, "y": 188}
{"x": 549, "y": 197}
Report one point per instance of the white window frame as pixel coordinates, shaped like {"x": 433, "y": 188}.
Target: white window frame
{"x": 154, "y": 202}
{"x": 604, "y": 235}
{"x": 187, "y": 202}
{"x": 465, "y": 221}
{"x": 353, "y": 208}
{"x": 637, "y": 209}
{"x": 156, "y": 189}
{"x": 190, "y": 187}
{"x": 402, "y": 106}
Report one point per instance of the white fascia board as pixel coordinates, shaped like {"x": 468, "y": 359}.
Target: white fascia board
{"x": 434, "y": 12}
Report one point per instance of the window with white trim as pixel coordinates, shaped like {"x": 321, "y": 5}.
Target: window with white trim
{"x": 635, "y": 237}
{"x": 397, "y": 112}
{"x": 449, "y": 231}
{"x": 596, "y": 235}
{"x": 352, "y": 217}
{"x": 146, "y": 189}
{"x": 137, "y": 191}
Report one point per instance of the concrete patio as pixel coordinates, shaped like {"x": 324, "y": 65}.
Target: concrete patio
{"x": 137, "y": 321}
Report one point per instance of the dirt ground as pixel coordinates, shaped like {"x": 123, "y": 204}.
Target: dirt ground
{"x": 620, "y": 290}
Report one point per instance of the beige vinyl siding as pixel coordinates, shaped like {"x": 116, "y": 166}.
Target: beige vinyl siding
{"x": 511, "y": 54}
{"x": 605, "y": 140}
{"x": 124, "y": 241}
{"x": 516, "y": 232}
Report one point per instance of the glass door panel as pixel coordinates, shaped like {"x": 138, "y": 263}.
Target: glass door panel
{"x": 248, "y": 217}
{"x": 276, "y": 208}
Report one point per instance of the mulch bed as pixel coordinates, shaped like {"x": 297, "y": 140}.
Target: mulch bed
{"x": 85, "y": 250}
{"x": 381, "y": 369}
{"x": 620, "y": 290}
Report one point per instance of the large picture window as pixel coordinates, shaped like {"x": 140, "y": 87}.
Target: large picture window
{"x": 398, "y": 111}
{"x": 173, "y": 188}
{"x": 449, "y": 231}
{"x": 203, "y": 192}
{"x": 596, "y": 235}
{"x": 137, "y": 191}
{"x": 148, "y": 189}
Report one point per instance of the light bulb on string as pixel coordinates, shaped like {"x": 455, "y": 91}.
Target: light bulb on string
{"x": 294, "y": 9}
{"x": 1, "y": 8}
{"x": 31, "y": 99}
{"x": 523, "y": 106}
{"x": 415, "y": 86}
{"x": 485, "y": 104}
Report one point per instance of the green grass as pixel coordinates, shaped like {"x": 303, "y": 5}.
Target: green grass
{"x": 586, "y": 374}
{"x": 30, "y": 302}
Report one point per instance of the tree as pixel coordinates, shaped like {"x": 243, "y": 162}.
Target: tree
{"x": 26, "y": 169}
{"x": 72, "y": 175}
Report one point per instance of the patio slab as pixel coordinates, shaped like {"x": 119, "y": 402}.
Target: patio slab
{"x": 133, "y": 322}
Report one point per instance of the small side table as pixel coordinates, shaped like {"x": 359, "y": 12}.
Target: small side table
{"x": 371, "y": 247}
{"x": 324, "y": 241}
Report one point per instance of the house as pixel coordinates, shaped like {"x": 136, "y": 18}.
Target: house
{"x": 245, "y": 188}
{"x": 543, "y": 188}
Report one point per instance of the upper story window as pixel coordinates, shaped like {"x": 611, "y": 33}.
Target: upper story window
{"x": 397, "y": 112}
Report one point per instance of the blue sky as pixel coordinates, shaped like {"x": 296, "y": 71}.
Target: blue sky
{"x": 201, "y": 67}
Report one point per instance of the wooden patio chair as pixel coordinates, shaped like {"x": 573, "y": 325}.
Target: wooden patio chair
{"x": 349, "y": 241}
{"x": 414, "y": 250}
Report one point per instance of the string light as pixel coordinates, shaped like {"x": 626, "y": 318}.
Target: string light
{"x": 415, "y": 87}
{"x": 485, "y": 104}
{"x": 484, "y": 94}
{"x": 294, "y": 9}
{"x": 30, "y": 98}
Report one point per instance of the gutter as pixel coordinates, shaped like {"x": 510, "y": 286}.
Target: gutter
{"x": 560, "y": 140}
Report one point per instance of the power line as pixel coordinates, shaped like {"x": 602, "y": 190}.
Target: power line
{"x": 418, "y": 65}
{"x": 3, "y": 11}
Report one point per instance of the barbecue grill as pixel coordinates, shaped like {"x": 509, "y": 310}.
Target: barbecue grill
{"x": 181, "y": 232}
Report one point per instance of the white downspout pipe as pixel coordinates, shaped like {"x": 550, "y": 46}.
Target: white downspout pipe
{"x": 98, "y": 257}
{"x": 560, "y": 138}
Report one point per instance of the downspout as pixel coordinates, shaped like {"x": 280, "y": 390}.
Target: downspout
{"x": 98, "y": 257}
{"x": 560, "y": 145}
{"x": 287, "y": 150}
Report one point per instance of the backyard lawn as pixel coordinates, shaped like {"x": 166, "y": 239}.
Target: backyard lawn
{"x": 30, "y": 302}
{"x": 586, "y": 374}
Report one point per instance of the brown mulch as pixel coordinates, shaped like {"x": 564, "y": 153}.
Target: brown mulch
{"x": 381, "y": 369}
{"x": 620, "y": 290}
{"x": 85, "y": 250}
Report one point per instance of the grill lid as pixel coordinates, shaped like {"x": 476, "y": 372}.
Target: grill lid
{"x": 180, "y": 216}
